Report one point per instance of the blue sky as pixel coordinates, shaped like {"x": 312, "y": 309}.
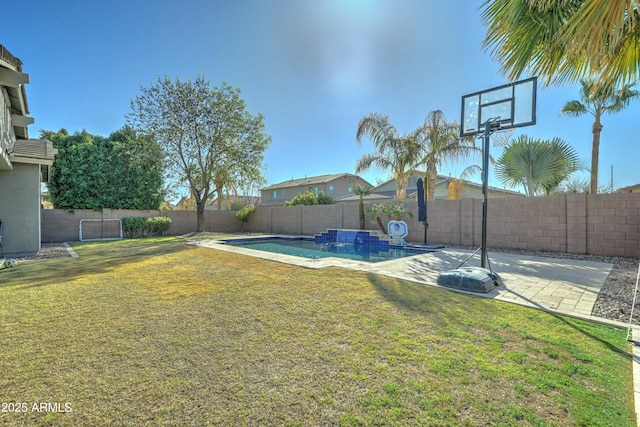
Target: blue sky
{"x": 313, "y": 68}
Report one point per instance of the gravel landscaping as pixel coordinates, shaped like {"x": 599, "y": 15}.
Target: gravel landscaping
{"x": 614, "y": 300}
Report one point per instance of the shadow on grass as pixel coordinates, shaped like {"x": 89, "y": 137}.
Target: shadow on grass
{"x": 409, "y": 295}
{"x": 418, "y": 297}
{"x": 94, "y": 258}
{"x": 567, "y": 320}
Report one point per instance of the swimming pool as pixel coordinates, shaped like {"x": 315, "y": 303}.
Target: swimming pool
{"x": 308, "y": 248}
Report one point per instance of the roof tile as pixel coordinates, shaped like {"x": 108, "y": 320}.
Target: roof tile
{"x": 34, "y": 149}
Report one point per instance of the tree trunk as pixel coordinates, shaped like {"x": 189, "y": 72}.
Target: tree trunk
{"x": 200, "y": 214}
{"x": 401, "y": 189}
{"x": 219, "y": 198}
{"x": 361, "y": 213}
{"x": 379, "y": 221}
{"x": 595, "y": 154}
{"x": 531, "y": 191}
{"x": 430, "y": 182}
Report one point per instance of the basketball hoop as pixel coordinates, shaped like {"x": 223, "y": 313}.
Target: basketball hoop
{"x": 500, "y": 108}
{"x": 513, "y": 105}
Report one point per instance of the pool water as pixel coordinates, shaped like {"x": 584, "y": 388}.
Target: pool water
{"x": 308, "y": 248}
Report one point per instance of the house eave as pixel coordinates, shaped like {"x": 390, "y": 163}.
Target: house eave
{"x": 31, "y": 160}
{"x": 13, "y": 79}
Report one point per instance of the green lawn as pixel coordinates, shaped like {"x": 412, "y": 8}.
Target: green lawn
{"x": 156, "y": 332}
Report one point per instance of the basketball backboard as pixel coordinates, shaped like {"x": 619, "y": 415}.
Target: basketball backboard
{"x": 513, "y": 105}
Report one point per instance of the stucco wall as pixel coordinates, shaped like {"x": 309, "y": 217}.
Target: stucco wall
{"x": 7, "y": 135}
{"x": 578, "y": 223}
{"x": 60, "y": 225}
{"x": 20, "y": 209}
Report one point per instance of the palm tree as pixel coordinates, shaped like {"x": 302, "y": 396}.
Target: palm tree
{"x": 538, "y": 165}
{"x": 597, "y": 101}
{"x": 396, "y": 152}
{"x": 440, "y": 142}
{"x": 361, "y": 191}
{"x": 563, "y": 41}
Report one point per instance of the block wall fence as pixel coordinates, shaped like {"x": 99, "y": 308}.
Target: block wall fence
{"x": 607, "y": 224}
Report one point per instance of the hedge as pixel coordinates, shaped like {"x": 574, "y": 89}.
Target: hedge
{"x": 139, "y": 226}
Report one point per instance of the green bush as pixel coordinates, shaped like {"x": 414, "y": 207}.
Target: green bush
{"x": 244, "y": 214}
{"x": 393, "y": 211}
{"x": 139, "y": 226}
{"x": 133, "y": 227}
{"x": 158, "y": 225}
{"x": 310, "y": 198}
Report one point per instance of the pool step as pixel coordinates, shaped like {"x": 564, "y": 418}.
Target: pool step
{"x": 366, "y": 237}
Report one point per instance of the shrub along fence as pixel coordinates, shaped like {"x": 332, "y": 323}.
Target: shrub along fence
{"x": 607, "y": 224}
{"x": 140, "y": 226}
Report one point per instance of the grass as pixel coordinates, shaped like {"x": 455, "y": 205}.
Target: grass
{"x": 156, "y": 332}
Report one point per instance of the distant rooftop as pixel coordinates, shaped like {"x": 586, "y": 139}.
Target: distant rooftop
{"x": 383, "y": 195}
{"x": 631, "y": 189}
{"x": 320, "y": 179}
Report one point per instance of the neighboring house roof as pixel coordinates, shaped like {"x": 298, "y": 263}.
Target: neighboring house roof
{"x": 33, "y": 149}
{"x": 190, "y": 202}
{"x": 237, "y": 198}
{"x": 383, "y": 195}
{"x": 441, "y": 179}
{"x": 320, "y": 179}
{"x": 479, "y": 186}
{"x": 421, "y": 174}
{"x": 250, "y": 200}
{"x": 631, "y": 189}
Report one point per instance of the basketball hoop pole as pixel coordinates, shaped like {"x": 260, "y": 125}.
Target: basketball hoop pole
{"x": 489, "y": 126}
{"x": 485, "y": 190}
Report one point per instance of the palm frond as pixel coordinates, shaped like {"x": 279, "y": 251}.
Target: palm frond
{"x": 469, "y": 171}
{"x": 562, "y": 41}
{"x": 378, "y": 128}
{"x": 365, "y": 162}
{"x": 522, "y": 36}
{"x": 622, "y": 65}
{"x": 574, "y": 108}
{"x": 598, "y": 26}
{"x": 598, "y": 99}
{"x": 537, "y": 165}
